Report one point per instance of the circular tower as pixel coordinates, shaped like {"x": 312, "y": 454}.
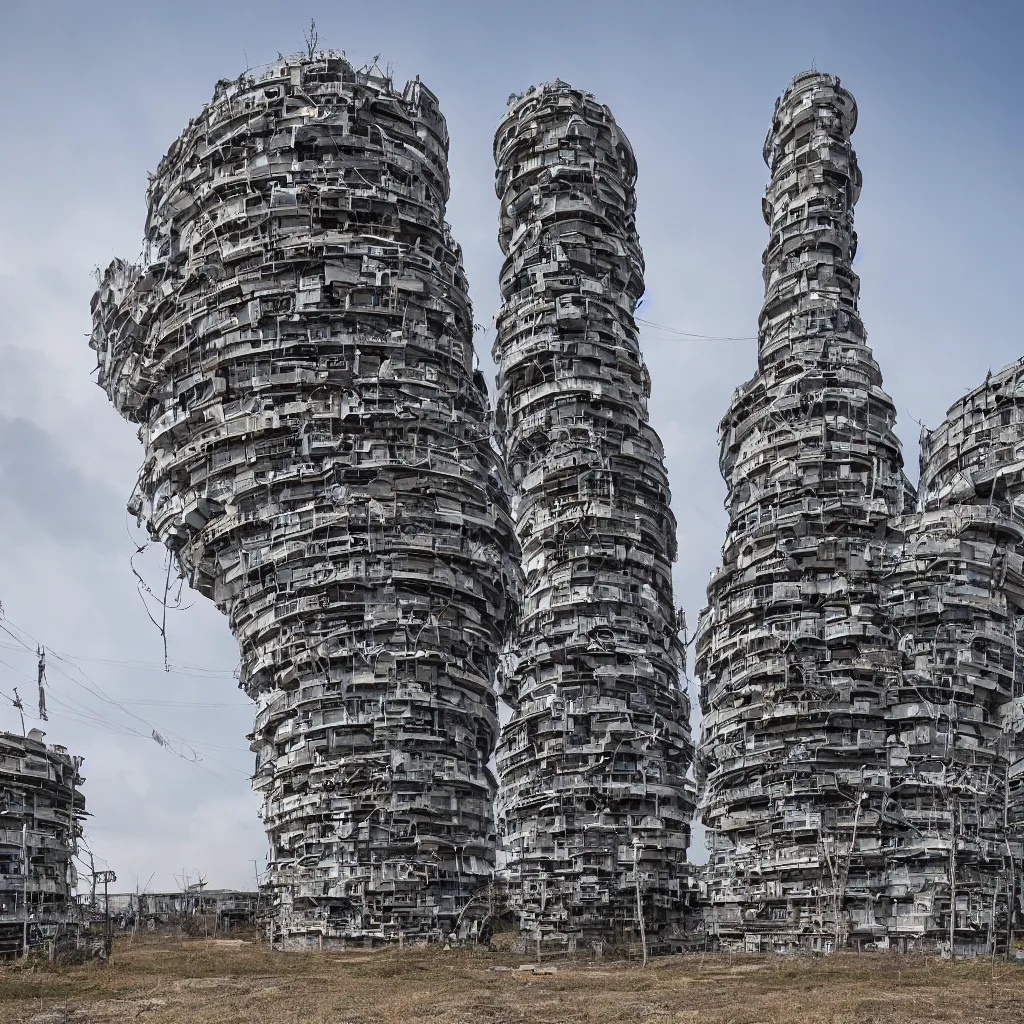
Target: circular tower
{"x": 795, "y": 651}
{"x": 296, "y": 348}
{"x": 594, "y": 802}
{"x": 955, "y": 722}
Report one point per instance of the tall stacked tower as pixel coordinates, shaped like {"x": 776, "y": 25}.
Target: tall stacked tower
{"x": 41, "y": 812}
{"x": 296, "y": 348}
{"x": 957, "y": 599}
{"x": 795, "y": 651}
{"x": 594, "y": 805}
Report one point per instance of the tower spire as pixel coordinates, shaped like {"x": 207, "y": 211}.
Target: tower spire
{"x": 794, "y": 652}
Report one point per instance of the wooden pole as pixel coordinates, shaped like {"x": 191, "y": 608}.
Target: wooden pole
{"x": 107, "y": 877}
{"x": 992, "y": 953}
{"x": 639, "y": 902}
{"x": 1011, "y": 898}
{"x": 1010, "y": 881}
{"x": 24, "y": 887}
{"x": 256, "y": 912}
{"x": 135, "y": 916}
{"x": 106, "y": 905}
{"x": 952, "y": 881}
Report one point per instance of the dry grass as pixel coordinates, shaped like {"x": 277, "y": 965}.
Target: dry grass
{"x": 158, "y": 981}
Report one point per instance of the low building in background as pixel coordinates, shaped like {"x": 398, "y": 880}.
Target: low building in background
{"x": 203, "y": 910}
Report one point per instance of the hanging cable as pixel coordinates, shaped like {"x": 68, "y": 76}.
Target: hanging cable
{"x": 691, "y": 334}
{"x": 68, "y": 708}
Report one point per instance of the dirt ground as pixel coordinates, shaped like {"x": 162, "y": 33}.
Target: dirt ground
{"x": 230, "y": 982}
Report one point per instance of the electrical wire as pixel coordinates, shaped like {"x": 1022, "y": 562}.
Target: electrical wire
{"x": 691, "y": 334}
{"x": 196, "y": 671}
{"x": 68, "y": 708}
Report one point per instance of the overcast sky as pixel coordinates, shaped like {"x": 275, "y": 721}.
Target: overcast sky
{"x": 95, "y": 94}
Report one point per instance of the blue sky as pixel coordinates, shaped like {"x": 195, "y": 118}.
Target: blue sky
{"x": 96, "y": 92}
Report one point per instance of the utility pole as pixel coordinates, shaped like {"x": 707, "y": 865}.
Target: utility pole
{"x": 1011, "y": 894}
{"x": 1011, "y": 881}
{"x": 256, "y": 912}
{"x": 639, "y": 901}
{"x": 136, "y": 914}
{"x": 106, "y": 877}
{"x": 24, "y": 887}
{"x": 41, "y": 680}
{"x": 952, "y": 880}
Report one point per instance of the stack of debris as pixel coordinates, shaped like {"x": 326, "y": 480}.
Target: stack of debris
{"x": 795, "y": 651}
{"x": 41, "y": 811}
{"x": 595, "y": 806}
{"x": 297, "y": 350}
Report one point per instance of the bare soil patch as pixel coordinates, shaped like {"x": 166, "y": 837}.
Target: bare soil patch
{"x": 161, "y": 981}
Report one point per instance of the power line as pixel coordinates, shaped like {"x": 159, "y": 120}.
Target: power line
{"x": 188, "y": 704}
{"x": 90, "y": 686}
{"x": 691, "y": 334}
{"x": 74, "y": 710}
{"x": 196, "y": 671}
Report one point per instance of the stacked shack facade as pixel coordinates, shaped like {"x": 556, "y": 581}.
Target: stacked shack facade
{"x": 296, "y": 348}
{"x": 41, "y": 811}
{"x": 795, "y": 652}
{"x": 861, "y": 678}
{"x": 594, "y": 804}
{"x": 957, "y": 601}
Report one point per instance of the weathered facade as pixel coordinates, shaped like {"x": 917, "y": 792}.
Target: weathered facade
{"x": 594, "y": 806}
{"x": 957, "y": 600}
{"x": 41, "y": 811}
{"x": 209, "y": 910}
{"x": 296, "y": 348}
{"x": 862, "y": 686}
{"x": 795, "y": 651}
